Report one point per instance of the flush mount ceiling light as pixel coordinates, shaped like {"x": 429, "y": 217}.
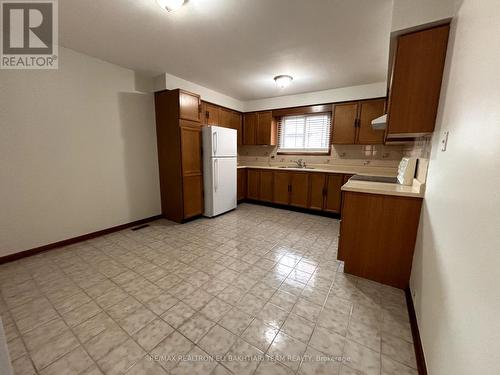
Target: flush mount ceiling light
{"x": 283, "y": 80}
{"x": 170, "y": 5}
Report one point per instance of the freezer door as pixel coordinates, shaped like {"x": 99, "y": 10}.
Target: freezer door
{"x": 219, "y": 142}
{"x": 223, "y": 193}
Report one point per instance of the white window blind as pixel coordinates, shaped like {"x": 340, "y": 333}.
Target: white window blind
{"x": 304, "y": 133}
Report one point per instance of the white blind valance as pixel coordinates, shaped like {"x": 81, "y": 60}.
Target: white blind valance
{"x": 304, "y": 133}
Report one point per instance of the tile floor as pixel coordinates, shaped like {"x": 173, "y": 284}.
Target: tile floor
{"x": 255, "y": 291}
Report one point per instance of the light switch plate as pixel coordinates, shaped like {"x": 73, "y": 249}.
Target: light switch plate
{"x": 444, "y": 140}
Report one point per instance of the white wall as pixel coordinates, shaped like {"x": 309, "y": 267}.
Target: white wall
{"x": 77, "y": 152}
{"x": 411, "y": 13}
{"x": 456, "y": 267}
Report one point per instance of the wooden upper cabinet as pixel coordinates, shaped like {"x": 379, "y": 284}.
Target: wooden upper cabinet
{"x": 211, "y": 114}
{"x": 225, "y": 117}
{"x": 333, "y": 196}
{"x": 189, "y": 106}
{"x": 416, "y": 81}
{"x": 281, "y": 188}
{"x": 266, "y": 186}
{"x": 317, "y": 190}
{"x": 253, "y": 184}
{"x": 266, "y": 133}
{"x": 235, "y": 123}
{"x": 249, "y": 128}
{"x": 369, "y": 110}
{"x": 345, "y": 123}
{"x": 299, "y": 189}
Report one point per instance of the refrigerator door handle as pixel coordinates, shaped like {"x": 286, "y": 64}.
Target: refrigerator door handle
{"x": 216, "y": 174}
{"x": 214, "y": 142}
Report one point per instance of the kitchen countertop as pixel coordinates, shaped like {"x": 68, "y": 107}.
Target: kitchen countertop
{"x": 415, "y": 191}
{"x": 364, "y": 171}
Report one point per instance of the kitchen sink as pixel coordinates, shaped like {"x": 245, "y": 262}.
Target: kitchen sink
{"x": 285, "y": 167}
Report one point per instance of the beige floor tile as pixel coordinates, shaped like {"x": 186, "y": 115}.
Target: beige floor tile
{"x": 298, "y": 327}
{"x": 121, "y": 358}
{"x": 123, "y": 308}
{"x": 75, "y": 362}
{"x": 243, "y": 358}
{"x": 307, "y": 310}
{"x": 100, "y": 345}
{"x": 327, "y": 342}
{"x": 236, "y": 321}
{"x": 215, "y": 309}
{"x": 137, "y": 320}
{"x": 334, "y": 321}
{"x": 362, "y": 358}
{"x": 399, "y": 350}
{"x": 81, "y": 314}
{"x": 54, "y": 349}
{"x": 16, "y": 348}
{"x": 267, "y": 367}
{"x": 363, "y": 334}
{"x": 197, "y": 362}
{"x": 23, "y": 366}
{"x": 168, "y": 351}
{"x": 178, "y": 314}
{"x": 162, "y": 303}
{"x": 217, "y": 342}
{"x": 152, "y": 334}
{"x": 146, "y": 366}
{"x": 260, "y": 334}
{"x": 287, "y": 350}
{"x": 196, "y": 327}
{"x": 284, "y": 300}
{"x": 391, "y": 367}
{"x": 318, "y": 363}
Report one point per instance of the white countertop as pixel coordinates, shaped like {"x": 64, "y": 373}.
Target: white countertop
{"x": 415, "y": 191}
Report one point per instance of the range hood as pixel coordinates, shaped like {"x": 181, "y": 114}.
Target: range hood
{"x": 380, "y": 123}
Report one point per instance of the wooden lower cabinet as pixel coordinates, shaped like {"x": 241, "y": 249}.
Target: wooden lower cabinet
{"x": 316, "y": 190}
{"x": 253, "y": 184}
{"x": 192, "y": 187}
{"x": 266, "y": 186}
{"x": 242, "y": 184}
{"x": 377, "y": 236}
{"x": 281, "y": 187}
{"x": 333, "y": 194}
{"x": 299, "y": 189}
{"x": 312, "y": 190}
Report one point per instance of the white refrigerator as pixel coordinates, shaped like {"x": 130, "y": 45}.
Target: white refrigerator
{"x": 219, "y": 169}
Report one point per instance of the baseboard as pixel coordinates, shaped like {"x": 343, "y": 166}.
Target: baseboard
{"x": 70, "y": 241}
{"x": 417, "y": 343}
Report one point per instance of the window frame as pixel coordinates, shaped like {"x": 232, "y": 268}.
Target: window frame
{"x": 305, "y": 153}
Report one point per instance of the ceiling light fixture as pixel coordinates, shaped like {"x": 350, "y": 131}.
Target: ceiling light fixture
{"x": 283, "y": 80}
{"x": 170, "y": 5}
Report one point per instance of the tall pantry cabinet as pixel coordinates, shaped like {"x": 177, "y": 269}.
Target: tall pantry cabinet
{"x": 178, "y": 131}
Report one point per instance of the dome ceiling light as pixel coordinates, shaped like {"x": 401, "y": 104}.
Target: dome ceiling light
{"x": 283, "y": 80}
{"x": 170, "y": 5}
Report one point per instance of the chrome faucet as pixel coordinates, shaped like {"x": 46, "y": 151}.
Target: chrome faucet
{"x": 300, "y": 163}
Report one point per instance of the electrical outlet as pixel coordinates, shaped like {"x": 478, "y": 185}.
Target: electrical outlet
{"x": 444, "y": 140}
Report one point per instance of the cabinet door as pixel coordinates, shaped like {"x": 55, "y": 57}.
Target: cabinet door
{"x": 281, "y": 188}
{"x": 249, "y": 128}
{"x": 190, "y": 148}
{"x": 416, "y": 81}
{"x": 265, "y": 133}
{"x": 212, "y": 114}
{"x": 253, "y": 184}
{"x": 266, "y": 186}
{"x": 225, "y": 117}
{"x": 193, "y": 195}
{"x": 368, "y": 111}
{"x": 317, "y": 190}
{"x": 344, "y": 123}
{"x": 299, "y": 189}
{"x": 235, "y": 123}
{"x": 333, "y": 192}
{"x": 242, "y": 184}
{"x": 189, "y": 106}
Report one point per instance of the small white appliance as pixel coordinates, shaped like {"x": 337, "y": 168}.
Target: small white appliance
{"x": 406, "y": 170}
{"x": 219, "y": 169}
